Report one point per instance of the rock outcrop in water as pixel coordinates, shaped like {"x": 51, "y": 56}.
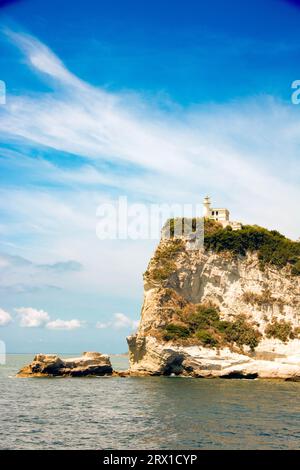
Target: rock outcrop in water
{"x": 50, "y": 365}
{"x": 229, "y": 310}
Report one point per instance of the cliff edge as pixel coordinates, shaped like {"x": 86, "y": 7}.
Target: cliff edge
{"x": 230, "y": 309}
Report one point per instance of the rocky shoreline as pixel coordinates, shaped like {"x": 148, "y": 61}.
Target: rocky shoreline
{"x": 150, "y": 357}
{"x": 189, "y": 362}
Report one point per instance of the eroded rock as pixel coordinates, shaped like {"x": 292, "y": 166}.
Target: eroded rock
{"x": 50, "y": 365}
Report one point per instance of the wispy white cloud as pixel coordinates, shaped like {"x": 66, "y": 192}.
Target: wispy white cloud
{"x": 5, "y": 317}
{"x": 59, "y": 324}
{"x": 62, "y": 266}
{"x": 27, "y": 288}
{"x": 120, "y": 321}
{"x": 206, "y": 148}
{"x": 7, "y": 261}
{"x": 32, "y": 318}
{"x": 40, "y": 56}
{"x": 20, "y": 275}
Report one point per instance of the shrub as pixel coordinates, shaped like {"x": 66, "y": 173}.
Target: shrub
{"x": 161, "y": 273}
{"x": 173, "y": 331}
{"x": 222, "y": 325}
{"x": 242, "y": 333}
{"x": 180, "y": 226}
{"x": 211, "y": 227}
{"x": 260, "y": 299}
{"x": 296, "y": 332}
{"x": 202, "y": 323}
{"x": 206, "y": 338}
{"x": 163, "y": 264}
{"x": 185, "y": 225}
{"x": 279, "y": 329}
{"x": 296, "y": 269}
{"x": 203, "y": 317}
{"x": 169, "y": 249}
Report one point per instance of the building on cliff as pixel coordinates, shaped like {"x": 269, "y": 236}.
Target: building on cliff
{"x": 221, "y": 215}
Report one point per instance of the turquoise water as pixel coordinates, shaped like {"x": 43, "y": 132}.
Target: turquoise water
{"x": 145, "y": 413}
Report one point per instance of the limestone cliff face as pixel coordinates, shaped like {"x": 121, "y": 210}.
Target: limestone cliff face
{"x": 178, "y": 279}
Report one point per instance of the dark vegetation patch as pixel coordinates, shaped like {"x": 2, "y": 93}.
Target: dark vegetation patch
{"x": 271, "y": 246}
{"x": 282, "y": 330}
{"x": 262, "y": 299}
{"x": 163, "y": 263}
{"x": 202, "y": 324}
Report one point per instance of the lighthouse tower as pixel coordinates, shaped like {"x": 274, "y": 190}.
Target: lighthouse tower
{"x": 220, "y": 215}
{"x": 206, "y": 207}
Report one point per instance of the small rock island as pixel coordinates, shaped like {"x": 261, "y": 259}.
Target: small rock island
{"x": 51, "y": 365}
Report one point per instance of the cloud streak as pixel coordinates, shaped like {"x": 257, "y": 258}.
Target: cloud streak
{"x": 20, "y": 275}
{"x": 120, "y": 321}
{"x": 5, "y": 318}
{"x": 215, "y": 148}
{"x": 64, "y": 324}
{"x": 31, "y": 317}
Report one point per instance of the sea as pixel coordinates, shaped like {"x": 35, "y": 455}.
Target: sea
{"x": 145, "y": 412}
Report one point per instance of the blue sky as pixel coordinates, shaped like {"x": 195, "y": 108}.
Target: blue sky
{"x": 159, "y": 101}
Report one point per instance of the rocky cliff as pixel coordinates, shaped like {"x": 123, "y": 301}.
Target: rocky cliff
{"x": 230, "y": 309}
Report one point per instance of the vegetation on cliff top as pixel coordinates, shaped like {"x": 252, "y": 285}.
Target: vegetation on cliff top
{"x": 202, "y": 324}
{"x": 271, "y": 246}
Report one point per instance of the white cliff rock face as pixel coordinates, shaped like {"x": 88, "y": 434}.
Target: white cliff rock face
{"x": 236, "y": 285}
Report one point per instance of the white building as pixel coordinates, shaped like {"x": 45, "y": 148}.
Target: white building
{"x": 219, "y": 214}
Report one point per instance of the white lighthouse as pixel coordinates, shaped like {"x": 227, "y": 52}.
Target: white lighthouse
{"x": 206, "y": 207}
{"x": 219, "y": 214}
